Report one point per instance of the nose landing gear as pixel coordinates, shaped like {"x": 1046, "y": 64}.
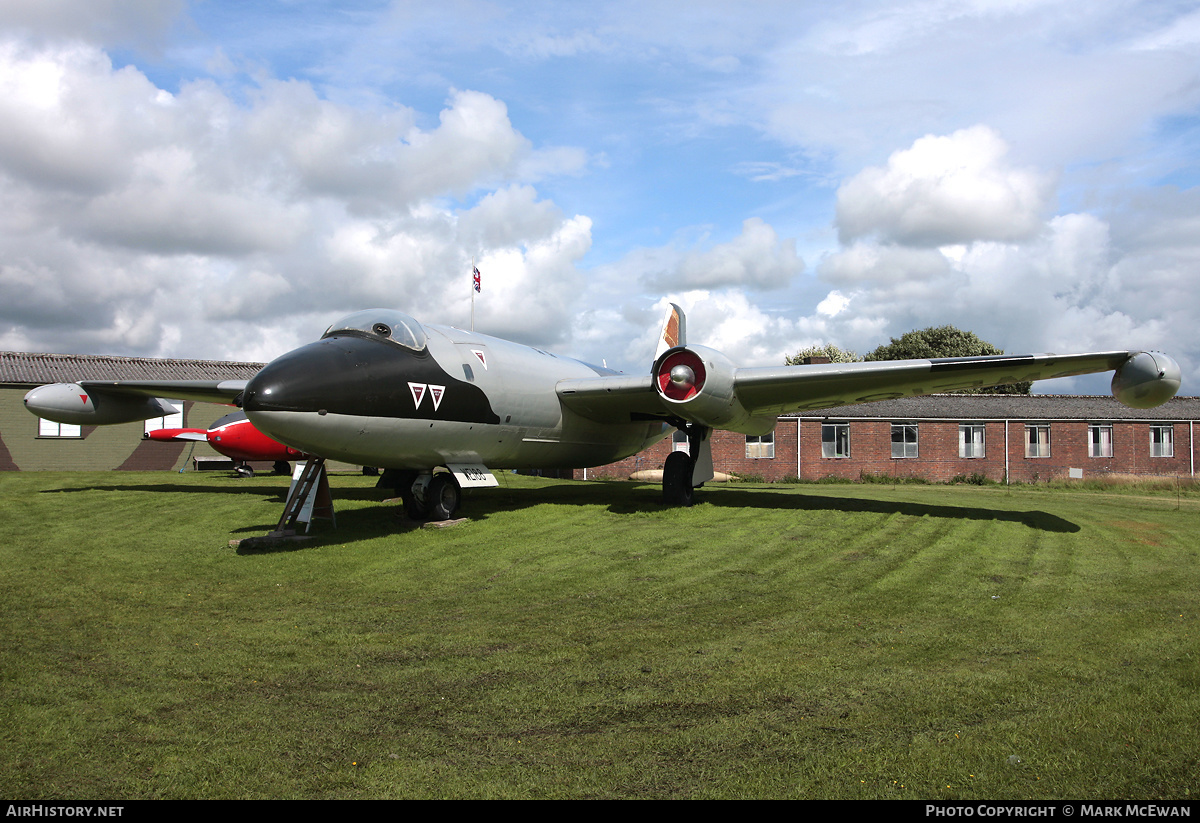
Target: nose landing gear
{"x": 426, "y": 496}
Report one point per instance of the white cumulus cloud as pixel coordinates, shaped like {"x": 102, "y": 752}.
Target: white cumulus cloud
{"x": 757, "y": 258}
{"x": 943, "y": 190}
{"x": 194, "y": 223}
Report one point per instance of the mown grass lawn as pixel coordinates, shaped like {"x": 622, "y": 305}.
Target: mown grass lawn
{"x": 580, "y": 640}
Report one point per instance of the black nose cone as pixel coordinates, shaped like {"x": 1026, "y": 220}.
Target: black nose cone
{"x": 365, "y": 377}
{"x": 280, "y": 384}
{"x": 333, "y": 375}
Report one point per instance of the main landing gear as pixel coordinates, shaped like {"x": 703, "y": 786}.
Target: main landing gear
{"x": 684, "y": 472}
{"x": 677, "y": 480}
{"x": 279, "y": 467}
{"x": 426, "y": 496}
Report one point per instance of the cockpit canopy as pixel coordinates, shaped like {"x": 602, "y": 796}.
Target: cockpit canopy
{"x": 381, "y": 324}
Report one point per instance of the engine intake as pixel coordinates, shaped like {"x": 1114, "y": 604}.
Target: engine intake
{"x": 698, "y": 384}
{"x": 680, "y": 375}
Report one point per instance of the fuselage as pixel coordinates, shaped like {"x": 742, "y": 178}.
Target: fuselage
{"x": 380, "y": 389}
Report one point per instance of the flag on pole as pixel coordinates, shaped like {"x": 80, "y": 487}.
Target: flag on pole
{"x": 476, "y": 271}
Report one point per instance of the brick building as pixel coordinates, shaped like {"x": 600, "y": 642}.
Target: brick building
{"x": 1025, "y": 438}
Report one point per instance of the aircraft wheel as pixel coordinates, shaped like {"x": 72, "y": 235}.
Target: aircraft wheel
{"x": 415, "y": 509}
{"x": 244, "y": 470}
{"x": 282, "y": 467}
{"x": 677, "y": 480}
{"x": 443, "y": 495}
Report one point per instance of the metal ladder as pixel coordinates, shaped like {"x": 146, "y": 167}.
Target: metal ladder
{"x": 313, "y": 473}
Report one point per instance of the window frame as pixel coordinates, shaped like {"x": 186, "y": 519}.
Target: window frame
{"x": 968, "y": 443}
{"x": 1037, "y": 427}
{"x": 909, "y": 448}
{"x": 1097, "y": 447}
{"x": 49, "y": 430}
{"x": 760, "y": 446}
{"x": 1156, "y": 449}
{"x": 836, "y": 447}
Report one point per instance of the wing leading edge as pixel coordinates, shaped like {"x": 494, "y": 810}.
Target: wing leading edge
{"x": 205, "y": 391}
{"x": 800, "y": 388}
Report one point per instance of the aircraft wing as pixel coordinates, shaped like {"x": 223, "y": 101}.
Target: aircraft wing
{"x": 105, "y": 402}
{"x": 206, "y": 391}
{"x": 800, "y": 388}
{"x": 617, "y": 399}
{"x": 701, "y": 386}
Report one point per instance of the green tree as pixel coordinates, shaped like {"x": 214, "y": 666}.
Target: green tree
{"x": 944, "y": 341}
{"x": 831, "y": 351}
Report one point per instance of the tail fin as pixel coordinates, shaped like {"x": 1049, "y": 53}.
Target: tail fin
{"x": 674, "y": 330}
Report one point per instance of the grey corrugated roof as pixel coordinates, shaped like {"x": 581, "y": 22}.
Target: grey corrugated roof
{"x": 38, "y": 368}
{"x": 1009, "y": 407}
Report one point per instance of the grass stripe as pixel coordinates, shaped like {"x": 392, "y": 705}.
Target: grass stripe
{"x": 579, "y": 640}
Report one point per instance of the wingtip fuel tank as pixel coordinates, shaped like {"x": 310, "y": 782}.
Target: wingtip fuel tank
{"x": 1145, "y": 380}
{"x": 72, "y": 403}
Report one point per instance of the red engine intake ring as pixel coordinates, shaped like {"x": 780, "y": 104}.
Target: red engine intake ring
{"x": 685, "y": 383}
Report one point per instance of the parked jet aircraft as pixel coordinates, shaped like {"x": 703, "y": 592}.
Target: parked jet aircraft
{"x": 235, "y": 437}
{"x": 438, "y": 405}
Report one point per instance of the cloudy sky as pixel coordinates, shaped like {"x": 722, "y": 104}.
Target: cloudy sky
{"x": 223, "y": 179}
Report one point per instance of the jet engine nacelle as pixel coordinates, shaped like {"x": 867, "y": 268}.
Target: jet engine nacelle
{"x": 698, "y": 384}
{"x": 72, "y": 403}
{"x": 1146, "y": 380}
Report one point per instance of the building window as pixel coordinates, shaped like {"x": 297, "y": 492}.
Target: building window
{"x": 760, "y": 445}
{"x": 170, "y": 421}
{"x": 835, "y": 439}
{"x": 48, "y": 428}
{"x": 970, "y": 439}
{"x": 679, "y": 442}
{"x": 1100, "y": 440}
{"x": 1037, "y": 440}
{"x": 904, "y": 440}
{"x": 1162, "y": 441}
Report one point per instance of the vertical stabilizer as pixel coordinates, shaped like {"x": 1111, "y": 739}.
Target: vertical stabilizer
{"x": 674, "y": 330}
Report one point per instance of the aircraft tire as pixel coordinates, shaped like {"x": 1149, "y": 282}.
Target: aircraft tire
{"x": 414, "y": 508}
{"x": 444, "y": 496}
{"x": 244, "y": 470}
{"x": 677, "y": 480}
{"x": 282, "y": 467}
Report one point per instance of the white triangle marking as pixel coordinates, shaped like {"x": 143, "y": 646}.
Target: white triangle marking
{"x": 418, "y": 393}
